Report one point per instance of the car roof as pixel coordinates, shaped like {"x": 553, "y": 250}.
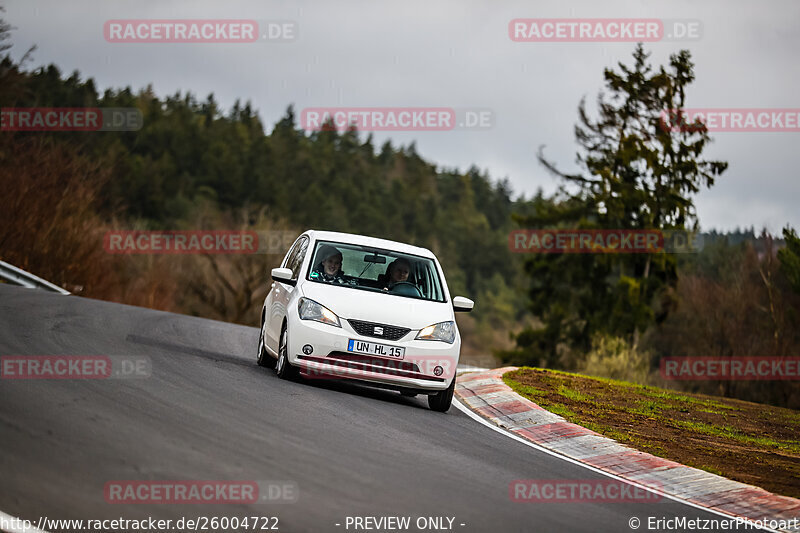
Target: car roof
{"x": 352, "y": 238}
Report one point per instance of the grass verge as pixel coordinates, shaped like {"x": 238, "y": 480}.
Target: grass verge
{"x": 748, "y": 442}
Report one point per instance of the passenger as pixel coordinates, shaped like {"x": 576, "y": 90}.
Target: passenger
{"x": 329, "y": 267}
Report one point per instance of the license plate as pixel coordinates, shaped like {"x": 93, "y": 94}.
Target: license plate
{"x": 373, "y": 348}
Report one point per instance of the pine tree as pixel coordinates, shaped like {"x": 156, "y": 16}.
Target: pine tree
{"x": 637, "y": 173}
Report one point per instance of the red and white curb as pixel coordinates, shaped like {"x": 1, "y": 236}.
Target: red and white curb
{"x": 486, "y": 394}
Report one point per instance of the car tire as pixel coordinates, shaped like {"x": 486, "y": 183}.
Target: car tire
{"x": 264, "y": 359}
{"x": 441, "y": 400}
{"x": 283, "y": 368}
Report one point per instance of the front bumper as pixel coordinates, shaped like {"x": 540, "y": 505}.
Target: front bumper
{"x": 426, "y": 366}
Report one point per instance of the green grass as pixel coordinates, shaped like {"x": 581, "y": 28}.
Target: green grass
{"x": 649, "y": 408}
{"x": 748, "y": 442}
{"x": 539, "y": 397}
{"x": 792, "y": 419}
{"x": 728, "y": 432}
{"x": 709, "y": 469}
{"x": 647, "y": 390}
{"x": 574, "y": 395}
{"x": 652, "y": 405}
{"x": 527, "y": 390}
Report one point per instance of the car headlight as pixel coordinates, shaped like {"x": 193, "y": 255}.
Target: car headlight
{"x": 443, "y": 331}
{"x": 311, "y": 310}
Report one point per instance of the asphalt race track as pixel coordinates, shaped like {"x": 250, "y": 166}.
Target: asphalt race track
{"x": 208, "y": 412}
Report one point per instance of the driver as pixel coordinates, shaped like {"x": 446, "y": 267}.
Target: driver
{"x": 398, "y": 271}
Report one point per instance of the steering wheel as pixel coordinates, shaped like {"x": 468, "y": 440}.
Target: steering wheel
{"x": 404, "y": 288}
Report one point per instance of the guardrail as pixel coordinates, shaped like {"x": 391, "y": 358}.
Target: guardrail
{"x": 17, "y": 276}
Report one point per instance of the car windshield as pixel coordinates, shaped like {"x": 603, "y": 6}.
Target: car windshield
{"x": 377, "y": 270}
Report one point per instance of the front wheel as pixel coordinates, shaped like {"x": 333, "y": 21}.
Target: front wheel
{"x": 441, "y": 400}
{"x": 283, "y": 368}
{"x": 264, "y": 359}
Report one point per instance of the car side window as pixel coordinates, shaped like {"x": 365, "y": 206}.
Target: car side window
{"x": 295, "y": 260}
{"x": 290, "y": 254}
{"x": 430, "y": 290}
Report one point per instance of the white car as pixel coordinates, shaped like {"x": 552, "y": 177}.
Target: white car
{"x": 360, "y": 308}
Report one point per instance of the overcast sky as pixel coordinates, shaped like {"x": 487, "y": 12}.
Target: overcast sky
{"x": 458, "y": 54}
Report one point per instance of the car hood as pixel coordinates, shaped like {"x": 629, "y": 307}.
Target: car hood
{"x": 376, "y": 307}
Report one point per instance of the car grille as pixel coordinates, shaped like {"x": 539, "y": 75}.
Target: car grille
{"x": 375, "y": 361}
{"x": 366, "y": 364}
{"x": 367, "y": 329}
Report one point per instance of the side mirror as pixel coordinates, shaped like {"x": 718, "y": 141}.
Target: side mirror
{"x": 284, "y": 275}
{"x": 461, "y": 304}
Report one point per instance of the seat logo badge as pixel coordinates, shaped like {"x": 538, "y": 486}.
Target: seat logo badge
{"x": 378, "y": 330}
